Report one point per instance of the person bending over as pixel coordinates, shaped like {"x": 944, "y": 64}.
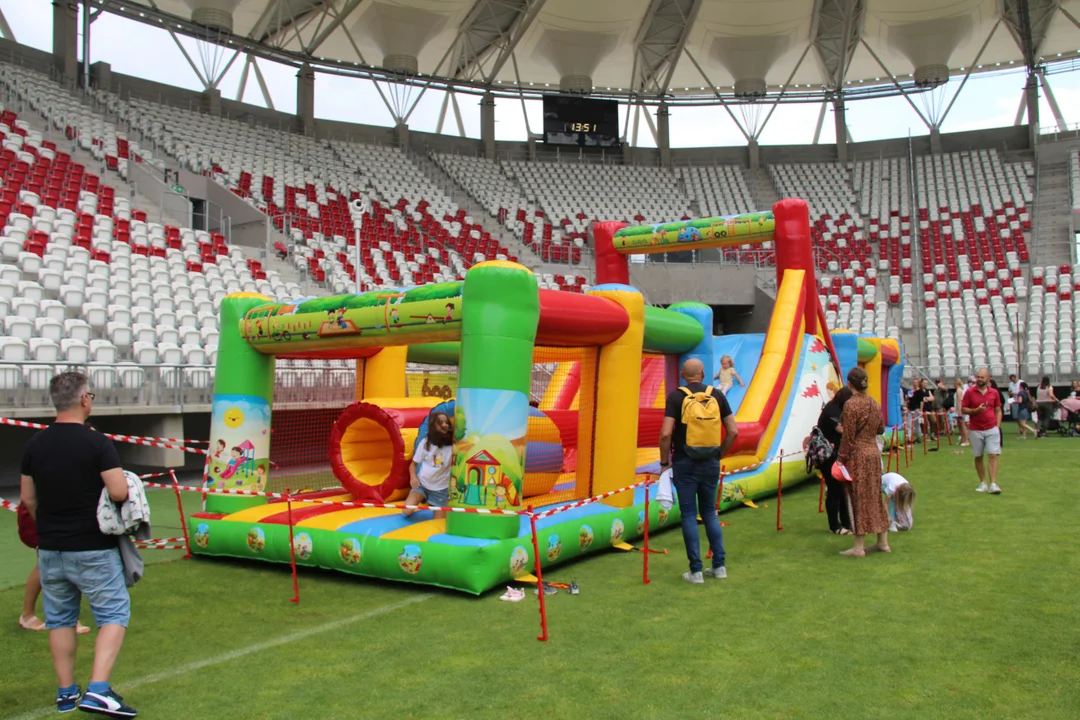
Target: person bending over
{"x": 901, "y": 498}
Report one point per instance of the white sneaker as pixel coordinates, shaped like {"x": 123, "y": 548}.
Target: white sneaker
{"x": 512, "y": 595}
{"x": 719, "y": 573}
{"x": 994, "y": 489}
{"x": 893, "y": 528}
{"x": 694, "y": 578}
{"x": 982, "y": 488}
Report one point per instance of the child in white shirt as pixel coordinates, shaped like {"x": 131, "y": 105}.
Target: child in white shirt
{"x": 429, "y": 471}
{"x": 901, "y": 500}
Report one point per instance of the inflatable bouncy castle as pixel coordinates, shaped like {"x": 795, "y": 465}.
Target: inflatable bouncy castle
{"x": 591, "y": 426}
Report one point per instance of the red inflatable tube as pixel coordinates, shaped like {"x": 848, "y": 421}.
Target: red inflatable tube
{"x": 389, "y": 420}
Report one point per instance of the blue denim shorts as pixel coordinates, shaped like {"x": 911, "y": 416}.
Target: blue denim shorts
{"x": 97, "y": 574}
{"x": 438, "y": 498}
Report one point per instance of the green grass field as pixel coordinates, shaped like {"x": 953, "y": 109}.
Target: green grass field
{"x": 972, "y": 616}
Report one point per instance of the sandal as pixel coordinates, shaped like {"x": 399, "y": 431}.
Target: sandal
{"x": 31, "y": 623}
{"x": 844, "y": 531}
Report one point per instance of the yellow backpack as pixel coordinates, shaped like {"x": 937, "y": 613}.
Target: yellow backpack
{"x": 701, "y": 415}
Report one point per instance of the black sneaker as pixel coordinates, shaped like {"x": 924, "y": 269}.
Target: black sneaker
{"x": 67, "y": 702}
{"x": 106, "y": 703}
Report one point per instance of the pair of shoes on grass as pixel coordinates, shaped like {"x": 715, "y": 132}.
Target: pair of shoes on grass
{"x": 101, "y": 702}
{"x": 697, "y": 578}
{"x": 993, "y": 489}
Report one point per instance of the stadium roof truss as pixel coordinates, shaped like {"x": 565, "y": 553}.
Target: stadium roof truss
{"x": 642, "y": 52}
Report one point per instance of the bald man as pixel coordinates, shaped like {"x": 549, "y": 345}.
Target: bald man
{"x": 982, "y": 405}
{"x": 696, "y": 481}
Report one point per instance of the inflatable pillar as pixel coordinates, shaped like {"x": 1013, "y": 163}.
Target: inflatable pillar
{"x": 703, "y": 315}
{"x": 383, "y": 374}
{"x": 891, "y": 390}
{"x": 616, "y": 407}
{"x": 794, "y": 252}
{"x": 611, "y": 265}
{"x": 240, "y": 415}
{"x": 500, "y": 313}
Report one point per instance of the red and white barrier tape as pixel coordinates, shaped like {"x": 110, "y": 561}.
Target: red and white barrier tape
{"x": 8, "y": 505}
{"x": 132, "y": 439}
{"x": 210, "y": 491}
{"x": 586, "y": 501}
{"x": 400, "y": 506}
{"x": 149, "y": 545}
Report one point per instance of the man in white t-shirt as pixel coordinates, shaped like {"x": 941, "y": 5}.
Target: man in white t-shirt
{"x": 1014, "y": 390}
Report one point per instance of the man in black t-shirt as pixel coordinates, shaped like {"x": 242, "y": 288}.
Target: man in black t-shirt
{"x": 696, "y": 481}
{"x": 64, "y": 469}
{"x": 916, "y": 405}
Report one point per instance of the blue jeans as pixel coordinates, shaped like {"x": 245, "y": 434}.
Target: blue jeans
{"x": 97, "y": 574}
{"x": 695, "y": 483}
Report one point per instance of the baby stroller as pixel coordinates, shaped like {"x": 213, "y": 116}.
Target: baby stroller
{"x": 1070, "y": 426}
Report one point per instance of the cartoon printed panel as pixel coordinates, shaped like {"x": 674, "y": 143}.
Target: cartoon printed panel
{"x": 430, "y": 310}
{"x": 239, "y": 442}
{"x": 489, "y": 448}
{"x": 686, "y": 234}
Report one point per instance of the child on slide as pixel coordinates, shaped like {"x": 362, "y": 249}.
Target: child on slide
{"x": 429, "y": 471}
{"x": 901, "y": 500}
{"x": 727, "y": 375}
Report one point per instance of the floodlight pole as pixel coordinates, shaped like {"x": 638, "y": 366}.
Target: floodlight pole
{"x": 86, "y": 45}
{"x": 357, "y": 261}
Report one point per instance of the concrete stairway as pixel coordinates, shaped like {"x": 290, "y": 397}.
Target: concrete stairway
{"x": 761, "y": 188}
{"x": 526, "y": 255}
{"x": 1053, "y": 208}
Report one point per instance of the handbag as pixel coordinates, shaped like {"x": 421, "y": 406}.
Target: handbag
{"x": 27, "y": 528}
{"x": 840, "y": 472}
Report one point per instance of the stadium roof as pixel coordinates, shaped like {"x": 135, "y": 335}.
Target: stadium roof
{"x": 686, "y": 50}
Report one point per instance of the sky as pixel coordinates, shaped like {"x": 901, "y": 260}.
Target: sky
{"x": 144, "y": 51}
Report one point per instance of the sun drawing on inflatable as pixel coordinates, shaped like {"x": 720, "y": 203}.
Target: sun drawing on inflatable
{"x": 234, "y": 418}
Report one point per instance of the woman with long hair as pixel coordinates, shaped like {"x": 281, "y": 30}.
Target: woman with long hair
{"x": 862, "y": 423}
{"x": 1023, "y": 411}
{"x": 1045, "y": 402}
{"x": 961, "y": 418}
{"x": 836, "y": 502}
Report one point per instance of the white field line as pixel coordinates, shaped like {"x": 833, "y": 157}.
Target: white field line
{"x": 125, "y": 686}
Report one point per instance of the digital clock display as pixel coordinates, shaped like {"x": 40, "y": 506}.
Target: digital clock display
{"x": 580, "y": 121}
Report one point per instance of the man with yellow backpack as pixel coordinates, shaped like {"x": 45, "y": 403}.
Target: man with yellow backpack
{"x": 691, "y": 446}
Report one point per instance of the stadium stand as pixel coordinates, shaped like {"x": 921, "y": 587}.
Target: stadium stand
{"x": 87, "y": 278}
{"x": 972, "y": 214}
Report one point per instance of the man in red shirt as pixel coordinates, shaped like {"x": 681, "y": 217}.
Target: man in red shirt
{"x": 982, "y": 405}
